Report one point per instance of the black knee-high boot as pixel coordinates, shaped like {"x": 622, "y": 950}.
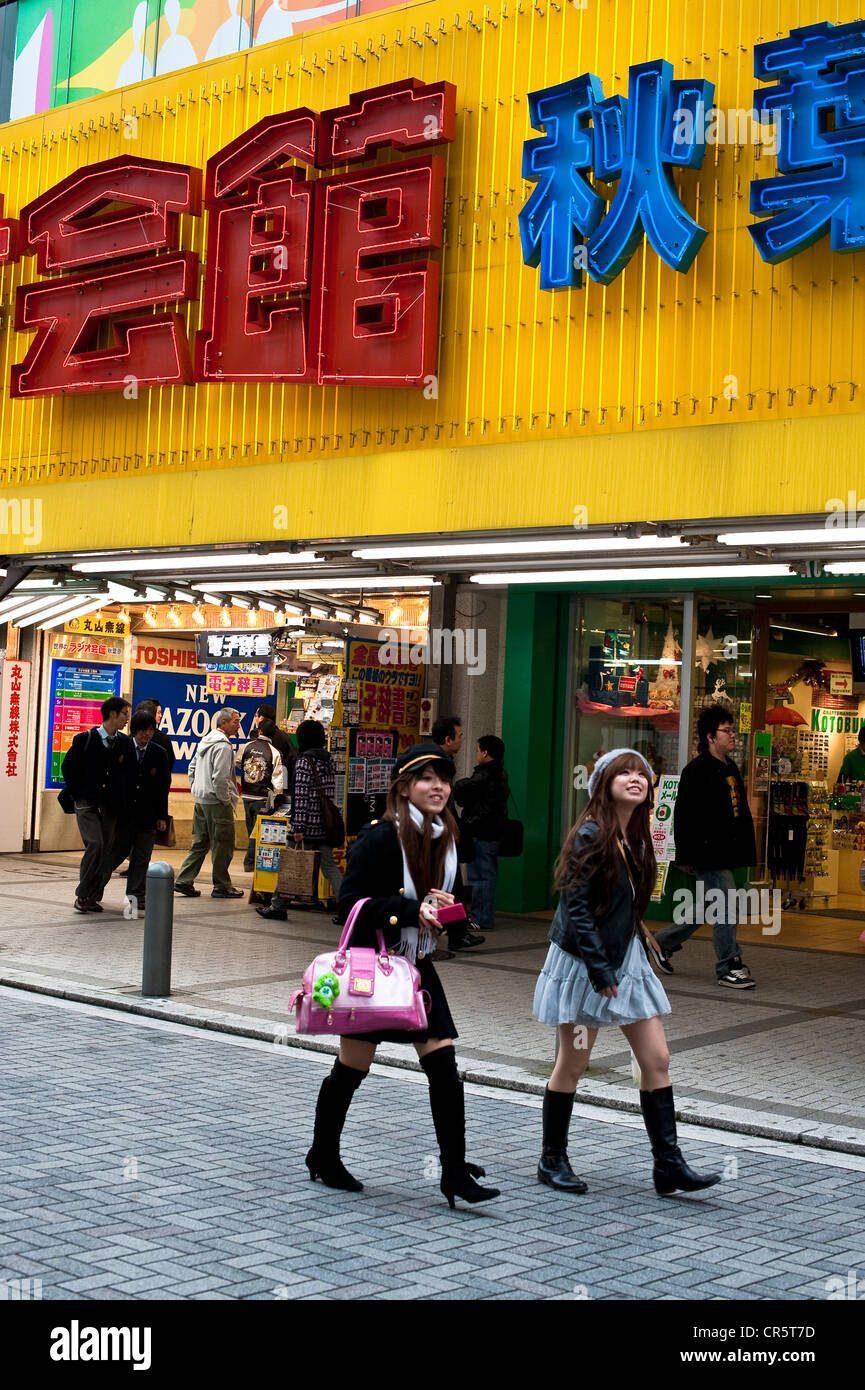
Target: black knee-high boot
{"x": 671, "y": 1172}
{"x": 554, "y": 1168}
{"x": 447, "y": 1103}
{"x": 334, "y": 1098}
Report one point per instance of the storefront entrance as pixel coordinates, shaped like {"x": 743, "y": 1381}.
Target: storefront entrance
{"x": 809, "y": 784}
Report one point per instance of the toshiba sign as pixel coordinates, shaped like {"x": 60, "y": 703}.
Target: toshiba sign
{"x": 171, "y": 656}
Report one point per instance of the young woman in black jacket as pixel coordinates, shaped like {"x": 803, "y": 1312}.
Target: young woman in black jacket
{"x": 597, "y": 972}
{"x": 406, "y": 865}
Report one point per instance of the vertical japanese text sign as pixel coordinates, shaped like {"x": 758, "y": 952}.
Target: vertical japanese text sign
{"x": 14, "y": 705}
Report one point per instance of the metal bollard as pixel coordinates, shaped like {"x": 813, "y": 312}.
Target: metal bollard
{"x": 158, "y": 927}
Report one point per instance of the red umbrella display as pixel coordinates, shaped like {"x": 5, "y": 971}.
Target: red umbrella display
{"x": 783, "y": 714}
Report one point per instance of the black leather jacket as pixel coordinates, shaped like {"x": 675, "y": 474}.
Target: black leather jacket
{"x": 599, "y": 942}
{"x": 484, "y": 799}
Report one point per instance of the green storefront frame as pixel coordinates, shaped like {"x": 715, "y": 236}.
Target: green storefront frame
{"x": 536, "y": 720}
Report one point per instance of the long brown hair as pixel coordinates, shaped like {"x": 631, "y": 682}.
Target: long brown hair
{"x": 424, "y": 855}
{"x": 601, "y": 857}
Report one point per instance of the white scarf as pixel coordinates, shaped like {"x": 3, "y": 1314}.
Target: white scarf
{"x": 415, "y": 941}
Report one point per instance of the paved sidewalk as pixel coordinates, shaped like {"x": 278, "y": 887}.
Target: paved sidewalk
{"x": 786, "y": 1059}
{"x": 145, "y": 1160}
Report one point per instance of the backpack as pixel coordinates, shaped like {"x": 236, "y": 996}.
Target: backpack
{"x": 256, "y": 769}
{"x": 331, "y": 815}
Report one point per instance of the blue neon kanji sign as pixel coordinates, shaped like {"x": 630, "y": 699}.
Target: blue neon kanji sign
{"x": 819, "y": 109}
{"x": 634, "y": 141}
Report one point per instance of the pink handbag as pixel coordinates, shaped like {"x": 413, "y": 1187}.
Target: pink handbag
{"x": 358, "y": 990}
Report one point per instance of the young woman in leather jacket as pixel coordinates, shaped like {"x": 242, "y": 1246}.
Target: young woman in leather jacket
{"x": 406, "y": 864}
{"x": 597, "y": 973}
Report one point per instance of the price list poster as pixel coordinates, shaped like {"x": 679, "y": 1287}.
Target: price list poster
{"x": 76, "y": 695}
{"x": 385, "y": 714}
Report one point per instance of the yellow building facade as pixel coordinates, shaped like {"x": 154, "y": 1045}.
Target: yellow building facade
{"x": 735, "y": 388}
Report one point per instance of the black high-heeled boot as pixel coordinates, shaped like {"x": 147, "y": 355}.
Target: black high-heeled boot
{"x": 671, "y": 1173}
{"x": 447, "y": 1103}
{"x": 554, "y": 1168}
{"x": 334, "y": 1098}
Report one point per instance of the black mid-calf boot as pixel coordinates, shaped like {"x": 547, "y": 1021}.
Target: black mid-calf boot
{"x": 334, "y": 1098}
{"x": 554, "y": 1168}
{"x": 447, "y": 1103}
{"x": 671, "y": 1172}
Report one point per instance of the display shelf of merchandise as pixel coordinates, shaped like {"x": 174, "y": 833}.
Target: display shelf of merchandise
{"x": 800, "y": 854}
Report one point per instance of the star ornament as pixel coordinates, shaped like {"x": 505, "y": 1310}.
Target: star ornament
{"x": 704, "y": 650}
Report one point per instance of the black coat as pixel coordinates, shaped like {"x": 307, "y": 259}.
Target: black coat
{"x": 161, "y": 739}
{"x": 96, "y": 774}
{"x": 149, "y": 784}
{"x": 706, "y": 829}
{"x": 484, "y": 799}
{"x": 600, "y": 942}
{"x": 375, "y": 871}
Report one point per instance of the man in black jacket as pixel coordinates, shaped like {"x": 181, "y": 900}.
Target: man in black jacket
{"x": 96, "y": 773}
{"x": 160, "y": 738}
{"x": 484, "y": 799}
{"x": 147, "y": 808}
{"x": 714, "y": 834}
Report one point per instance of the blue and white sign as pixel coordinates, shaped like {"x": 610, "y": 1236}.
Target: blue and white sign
{"x": 189, "y": 710}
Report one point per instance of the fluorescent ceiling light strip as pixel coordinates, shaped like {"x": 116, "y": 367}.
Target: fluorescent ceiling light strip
{"x": 336, "y": 586}
{"x": 561, "y": 546}
{"x": 19, "y": 605}
{"x": 125, "y": 594}
{"x": 600, "y": 576}
{"x": 812, "y": 631}
{"x": 376, "y": 581}
{"x": 61, "y": 611}
{"x": 137, "y": 565}
{"x": 51, "y": 585}
{"x": 827, "y": 535}
{"x": 58, "y": 618}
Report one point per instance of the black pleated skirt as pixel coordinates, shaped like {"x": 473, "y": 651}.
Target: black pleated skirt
{"x": 440, "y": 1023}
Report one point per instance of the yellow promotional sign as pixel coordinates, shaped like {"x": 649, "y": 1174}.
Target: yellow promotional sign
{"x": 96, "y": 623}
{"x": 619, "y": 399}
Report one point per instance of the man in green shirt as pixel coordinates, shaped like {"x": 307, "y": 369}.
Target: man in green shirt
{"x": 853, "y": 766}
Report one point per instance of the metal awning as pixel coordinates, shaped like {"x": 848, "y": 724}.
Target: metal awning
{"x": 342, "y": 577}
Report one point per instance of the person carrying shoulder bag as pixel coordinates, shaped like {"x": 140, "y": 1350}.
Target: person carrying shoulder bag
{"x": 597, "y": 972}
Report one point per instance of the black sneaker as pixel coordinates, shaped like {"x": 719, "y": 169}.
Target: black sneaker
{"x": 660, "y": 959}
{"x": 187, "y": 890}
{"x": 467, "y": 941}
{"x": 737, "y": 979}
{"x": 227, "y": 893}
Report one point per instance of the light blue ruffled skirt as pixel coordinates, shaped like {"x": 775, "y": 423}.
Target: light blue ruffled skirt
{"x": 564, "y": 992}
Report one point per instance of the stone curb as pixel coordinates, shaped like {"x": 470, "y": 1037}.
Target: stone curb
{"x": 694, "y": 1112}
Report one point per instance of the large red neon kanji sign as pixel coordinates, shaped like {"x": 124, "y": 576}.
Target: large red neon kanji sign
{"x": 258, "y": 255}
{"x": 374, "y": 319}
{"x": 91, "y": 329}
{"x": 358, "y": 316}
{"x": 304, "y": 282}
{"x": 8, "y": 237}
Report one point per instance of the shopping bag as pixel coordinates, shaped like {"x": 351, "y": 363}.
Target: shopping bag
{"x": 298, "y": 873}
{"x": 167, "y": 837}
{"x": 511, "y": 840}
